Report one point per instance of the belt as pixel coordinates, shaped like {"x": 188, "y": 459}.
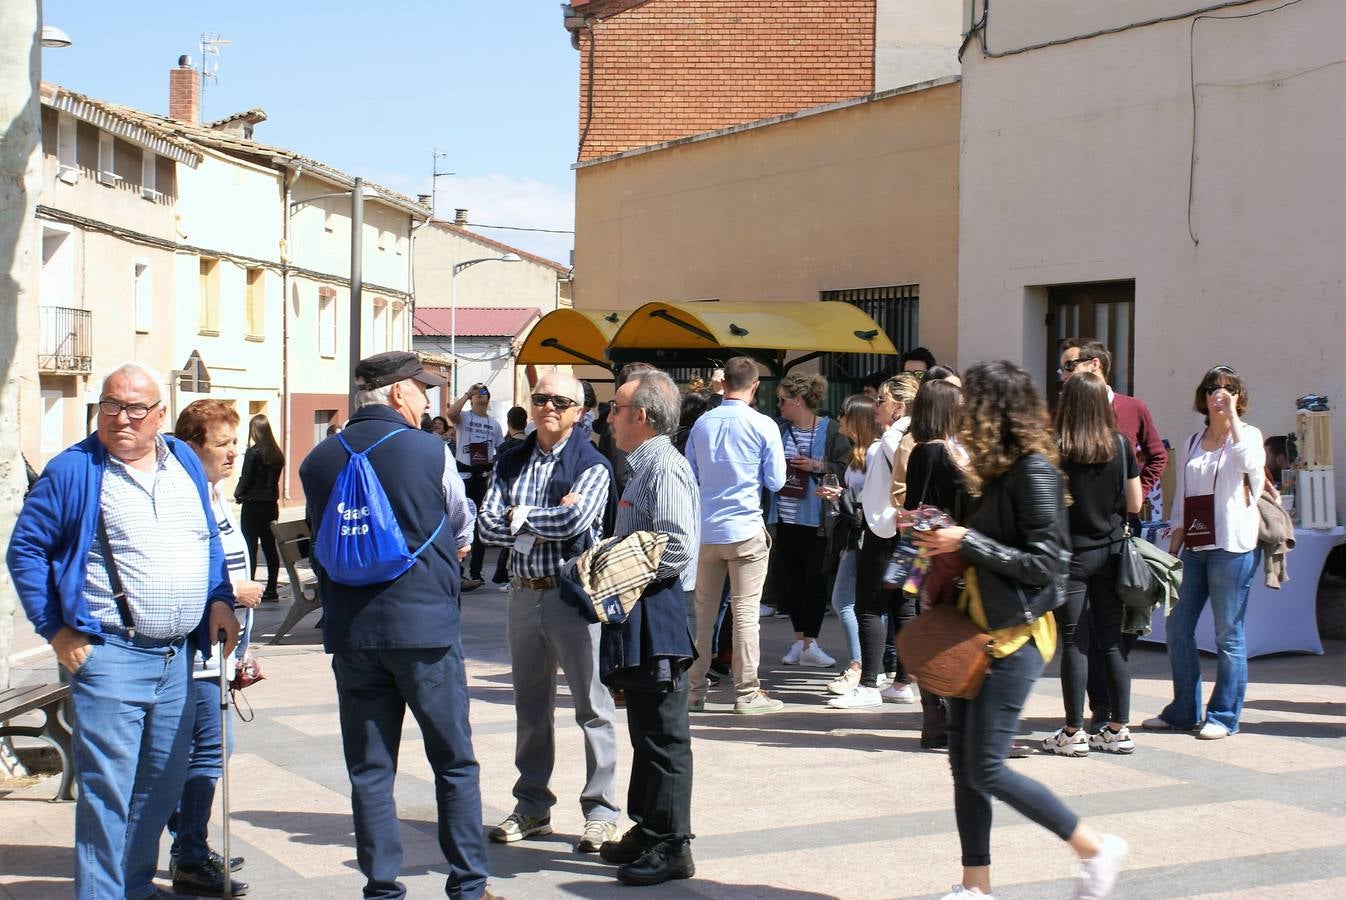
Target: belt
{"x": 545, "y": 583}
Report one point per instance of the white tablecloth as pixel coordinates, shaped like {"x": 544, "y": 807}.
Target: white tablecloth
{"x": 1277, "y": 621}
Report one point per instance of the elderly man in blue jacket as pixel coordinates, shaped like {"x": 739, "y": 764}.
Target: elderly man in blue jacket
{"x": 117, "y": 560}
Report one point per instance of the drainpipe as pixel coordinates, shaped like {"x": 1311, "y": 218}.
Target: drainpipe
{"x": 288, "y": 178}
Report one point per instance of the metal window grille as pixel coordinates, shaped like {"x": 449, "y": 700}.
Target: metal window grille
{"x": 896, "y": 309}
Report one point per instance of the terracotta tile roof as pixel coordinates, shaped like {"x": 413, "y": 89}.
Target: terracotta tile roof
{"x": 112, "y": 118}
{"x": 500, "y": 246}
{"x": 474, "y": 321}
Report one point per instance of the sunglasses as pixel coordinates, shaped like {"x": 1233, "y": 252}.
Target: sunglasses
{"x": 559, "y": 403}
{"x": 1211, "y": 389}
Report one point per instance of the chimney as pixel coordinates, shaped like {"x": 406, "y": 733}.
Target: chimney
{"x": 460, "y": 217}
{"x": 423, "y": 199}
{"x": 184, "y": 92}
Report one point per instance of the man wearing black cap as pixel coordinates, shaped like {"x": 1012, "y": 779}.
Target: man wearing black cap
{"x": 397, "y": 644}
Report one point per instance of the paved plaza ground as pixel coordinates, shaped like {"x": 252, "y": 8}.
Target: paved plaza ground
{"x": 810, "y": 803}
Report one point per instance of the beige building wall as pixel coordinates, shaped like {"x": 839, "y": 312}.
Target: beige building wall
{"x": 860, "y": 196}
{"x": 915, "y": 41}
{"x": 1075, "y": 168}
{"x": 83, "y": 266}
{"x": 531, "y": 283}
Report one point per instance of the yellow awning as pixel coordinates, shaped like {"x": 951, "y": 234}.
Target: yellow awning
{"x": 773, "y": 329}
{"x": 571, "y": 337}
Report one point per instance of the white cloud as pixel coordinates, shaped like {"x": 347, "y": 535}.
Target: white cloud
{"x": 500, "y": 199}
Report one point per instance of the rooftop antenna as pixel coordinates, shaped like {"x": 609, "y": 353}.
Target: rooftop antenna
{"x": 435, "y": 156}
{"x": 210, "y": 45}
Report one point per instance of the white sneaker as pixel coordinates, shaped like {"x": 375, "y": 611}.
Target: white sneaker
{"x": 764, "y": 611}
{"x": 504, "y": 588}
{"x": 815, "y": 656}
{"x": 844, "y": 682}
{"x": 1110, "y": 741}
{"x": 857, "y": 698}
{"x": 1212, "y": 731}
{"x": 791, "y": 657}
{"x": 1063, "y": 744}
{"x": 1098, "y": 876}
{"x": 961, "y": 893}
{"x": 898, "y": 693}
{"x": 882, "y": 681}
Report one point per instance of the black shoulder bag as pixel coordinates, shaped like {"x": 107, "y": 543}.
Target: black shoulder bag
{"x": 1135, "y": 582}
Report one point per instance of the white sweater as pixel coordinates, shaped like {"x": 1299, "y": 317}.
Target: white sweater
{"x": 1235, "y": 517}
{"x": 876, "y": 499}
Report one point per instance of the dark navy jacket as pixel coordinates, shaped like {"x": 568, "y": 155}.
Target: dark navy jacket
{"x": 577, "y": 457}
{"x": 420, "y": 608}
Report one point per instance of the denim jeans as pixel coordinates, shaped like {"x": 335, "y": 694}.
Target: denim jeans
{"x": 1225, "y": 578}
{"x": 190, "y": 821}
{"x": 843, "y": 601}
{"x": 374, "y": 690}
{"x": 980, "y": 731}
{"x": 133, "y": 726}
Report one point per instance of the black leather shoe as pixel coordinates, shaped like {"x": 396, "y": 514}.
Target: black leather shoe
{"x": 659, "y": 864}
{"x": 235, "y": 863}
{"x": 205, "y": 880}
{"x": 628, "y": 849}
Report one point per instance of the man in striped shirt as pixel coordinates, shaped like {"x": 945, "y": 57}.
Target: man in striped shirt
{"x": 547, "y": 502}
{"x": 652, "y": 650}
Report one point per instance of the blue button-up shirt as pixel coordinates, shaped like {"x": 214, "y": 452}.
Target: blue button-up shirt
{"x": 734, "y": 452}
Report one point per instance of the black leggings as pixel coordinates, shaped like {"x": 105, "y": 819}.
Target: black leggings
{"x": 475, "y": 488}
{"x": 1092, "y": 589}
{"x": 254, "y": 521}
{"x": 873, "y": 604}
{"x": 802, "y": 553}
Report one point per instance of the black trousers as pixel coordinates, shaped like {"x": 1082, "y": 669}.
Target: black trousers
{"x": 1091, "y": 626}
{"x": 659, "y": 798}
{"x": 476, "y": 487}
{"x": 878, "y": 610}
{"x": 802, "y": 553}
{"x": 254, "y": 520}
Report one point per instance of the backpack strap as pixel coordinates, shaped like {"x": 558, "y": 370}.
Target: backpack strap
{"x": 365, "y": 451}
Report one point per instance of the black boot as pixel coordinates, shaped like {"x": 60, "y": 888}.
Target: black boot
{"x": 629, "y": 849}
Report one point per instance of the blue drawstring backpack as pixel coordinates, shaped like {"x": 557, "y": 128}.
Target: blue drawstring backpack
{"x": 359, "y": 542}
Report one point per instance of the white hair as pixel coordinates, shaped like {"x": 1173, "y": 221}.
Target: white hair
{"x": 380, "y": 396}
{"x": 567, "y": 385}
{"x": 135, "y": 368}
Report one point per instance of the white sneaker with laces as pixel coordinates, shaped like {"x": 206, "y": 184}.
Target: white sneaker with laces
{"x": 898, "y": 693}
{"x": 1212, "y": 731}
{"x": 961, "y": 893}
{"x": 844, "y": 682}
{"x": 1098, "y": 875}
{"x": 1064, "y": 744}
{"x": 791, "y": 657}
{"x": 815, "y": 656}
{"x": 1110, "y": 741}
{"x": 764, "y": 611}
{"x": 857, "y": 697}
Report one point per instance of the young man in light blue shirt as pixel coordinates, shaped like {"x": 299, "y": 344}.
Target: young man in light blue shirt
{"x": 735, "y": 452}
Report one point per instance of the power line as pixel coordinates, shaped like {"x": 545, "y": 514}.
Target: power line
{"x": 520, "y": 228}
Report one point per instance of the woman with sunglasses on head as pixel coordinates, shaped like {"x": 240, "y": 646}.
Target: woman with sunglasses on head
{"x": 845, "y": 526}
{"x": 1104, "y": 482}
{"x": 1215, "y": 510}
{"x": 814, "y": 447}
{"x": 1016, "y": 545}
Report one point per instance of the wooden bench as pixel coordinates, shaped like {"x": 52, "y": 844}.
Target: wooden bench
{"x": 293, "y": 540}
{"x": 52, "y": 700}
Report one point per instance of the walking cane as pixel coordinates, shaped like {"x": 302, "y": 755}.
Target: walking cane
{"x": 224, "y": 763}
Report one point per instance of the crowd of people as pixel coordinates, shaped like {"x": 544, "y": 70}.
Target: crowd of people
{"x": 927, "y": 486}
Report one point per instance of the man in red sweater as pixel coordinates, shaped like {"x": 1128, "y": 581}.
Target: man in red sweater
{"x": 1134, "y": 421}
{"x": 1133, "y": 416}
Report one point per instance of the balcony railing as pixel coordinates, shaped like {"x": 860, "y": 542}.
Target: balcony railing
{"x": 65, "y": 340}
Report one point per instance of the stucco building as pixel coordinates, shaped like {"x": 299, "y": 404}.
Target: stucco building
{"x": 1176, "y": 188}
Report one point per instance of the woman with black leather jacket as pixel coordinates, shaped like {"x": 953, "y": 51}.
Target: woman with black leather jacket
{"x": 1016, "y": 543}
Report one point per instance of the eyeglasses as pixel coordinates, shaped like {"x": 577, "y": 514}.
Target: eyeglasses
{"x": 1211, "y": 389}
{"x": 559, "y": 403}
{"x": 613, "y": 406}
{"x": 134, "y": 411}
{"x": 1071, "y": 364}
{"x": 780, "y": 400}
{"x": 919, "y": 373}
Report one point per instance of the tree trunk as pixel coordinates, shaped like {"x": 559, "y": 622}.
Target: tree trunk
{"x": 20, "y": 168}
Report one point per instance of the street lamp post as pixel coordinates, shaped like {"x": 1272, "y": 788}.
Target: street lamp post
{"x": 453, "y": 309}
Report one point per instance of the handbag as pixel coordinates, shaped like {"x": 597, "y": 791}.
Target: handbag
{"x": 1136, "y": 585}
{"x": 946, "y": 651}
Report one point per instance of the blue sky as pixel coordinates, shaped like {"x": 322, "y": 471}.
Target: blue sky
{"x": 369, "y": 87}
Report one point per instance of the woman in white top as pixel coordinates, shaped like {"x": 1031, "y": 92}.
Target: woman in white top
{"x": 1215, "y": 514}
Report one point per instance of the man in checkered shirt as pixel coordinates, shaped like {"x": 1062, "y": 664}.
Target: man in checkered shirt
{"x": 546, "y": 502}
{"x": 130, "y": 658}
